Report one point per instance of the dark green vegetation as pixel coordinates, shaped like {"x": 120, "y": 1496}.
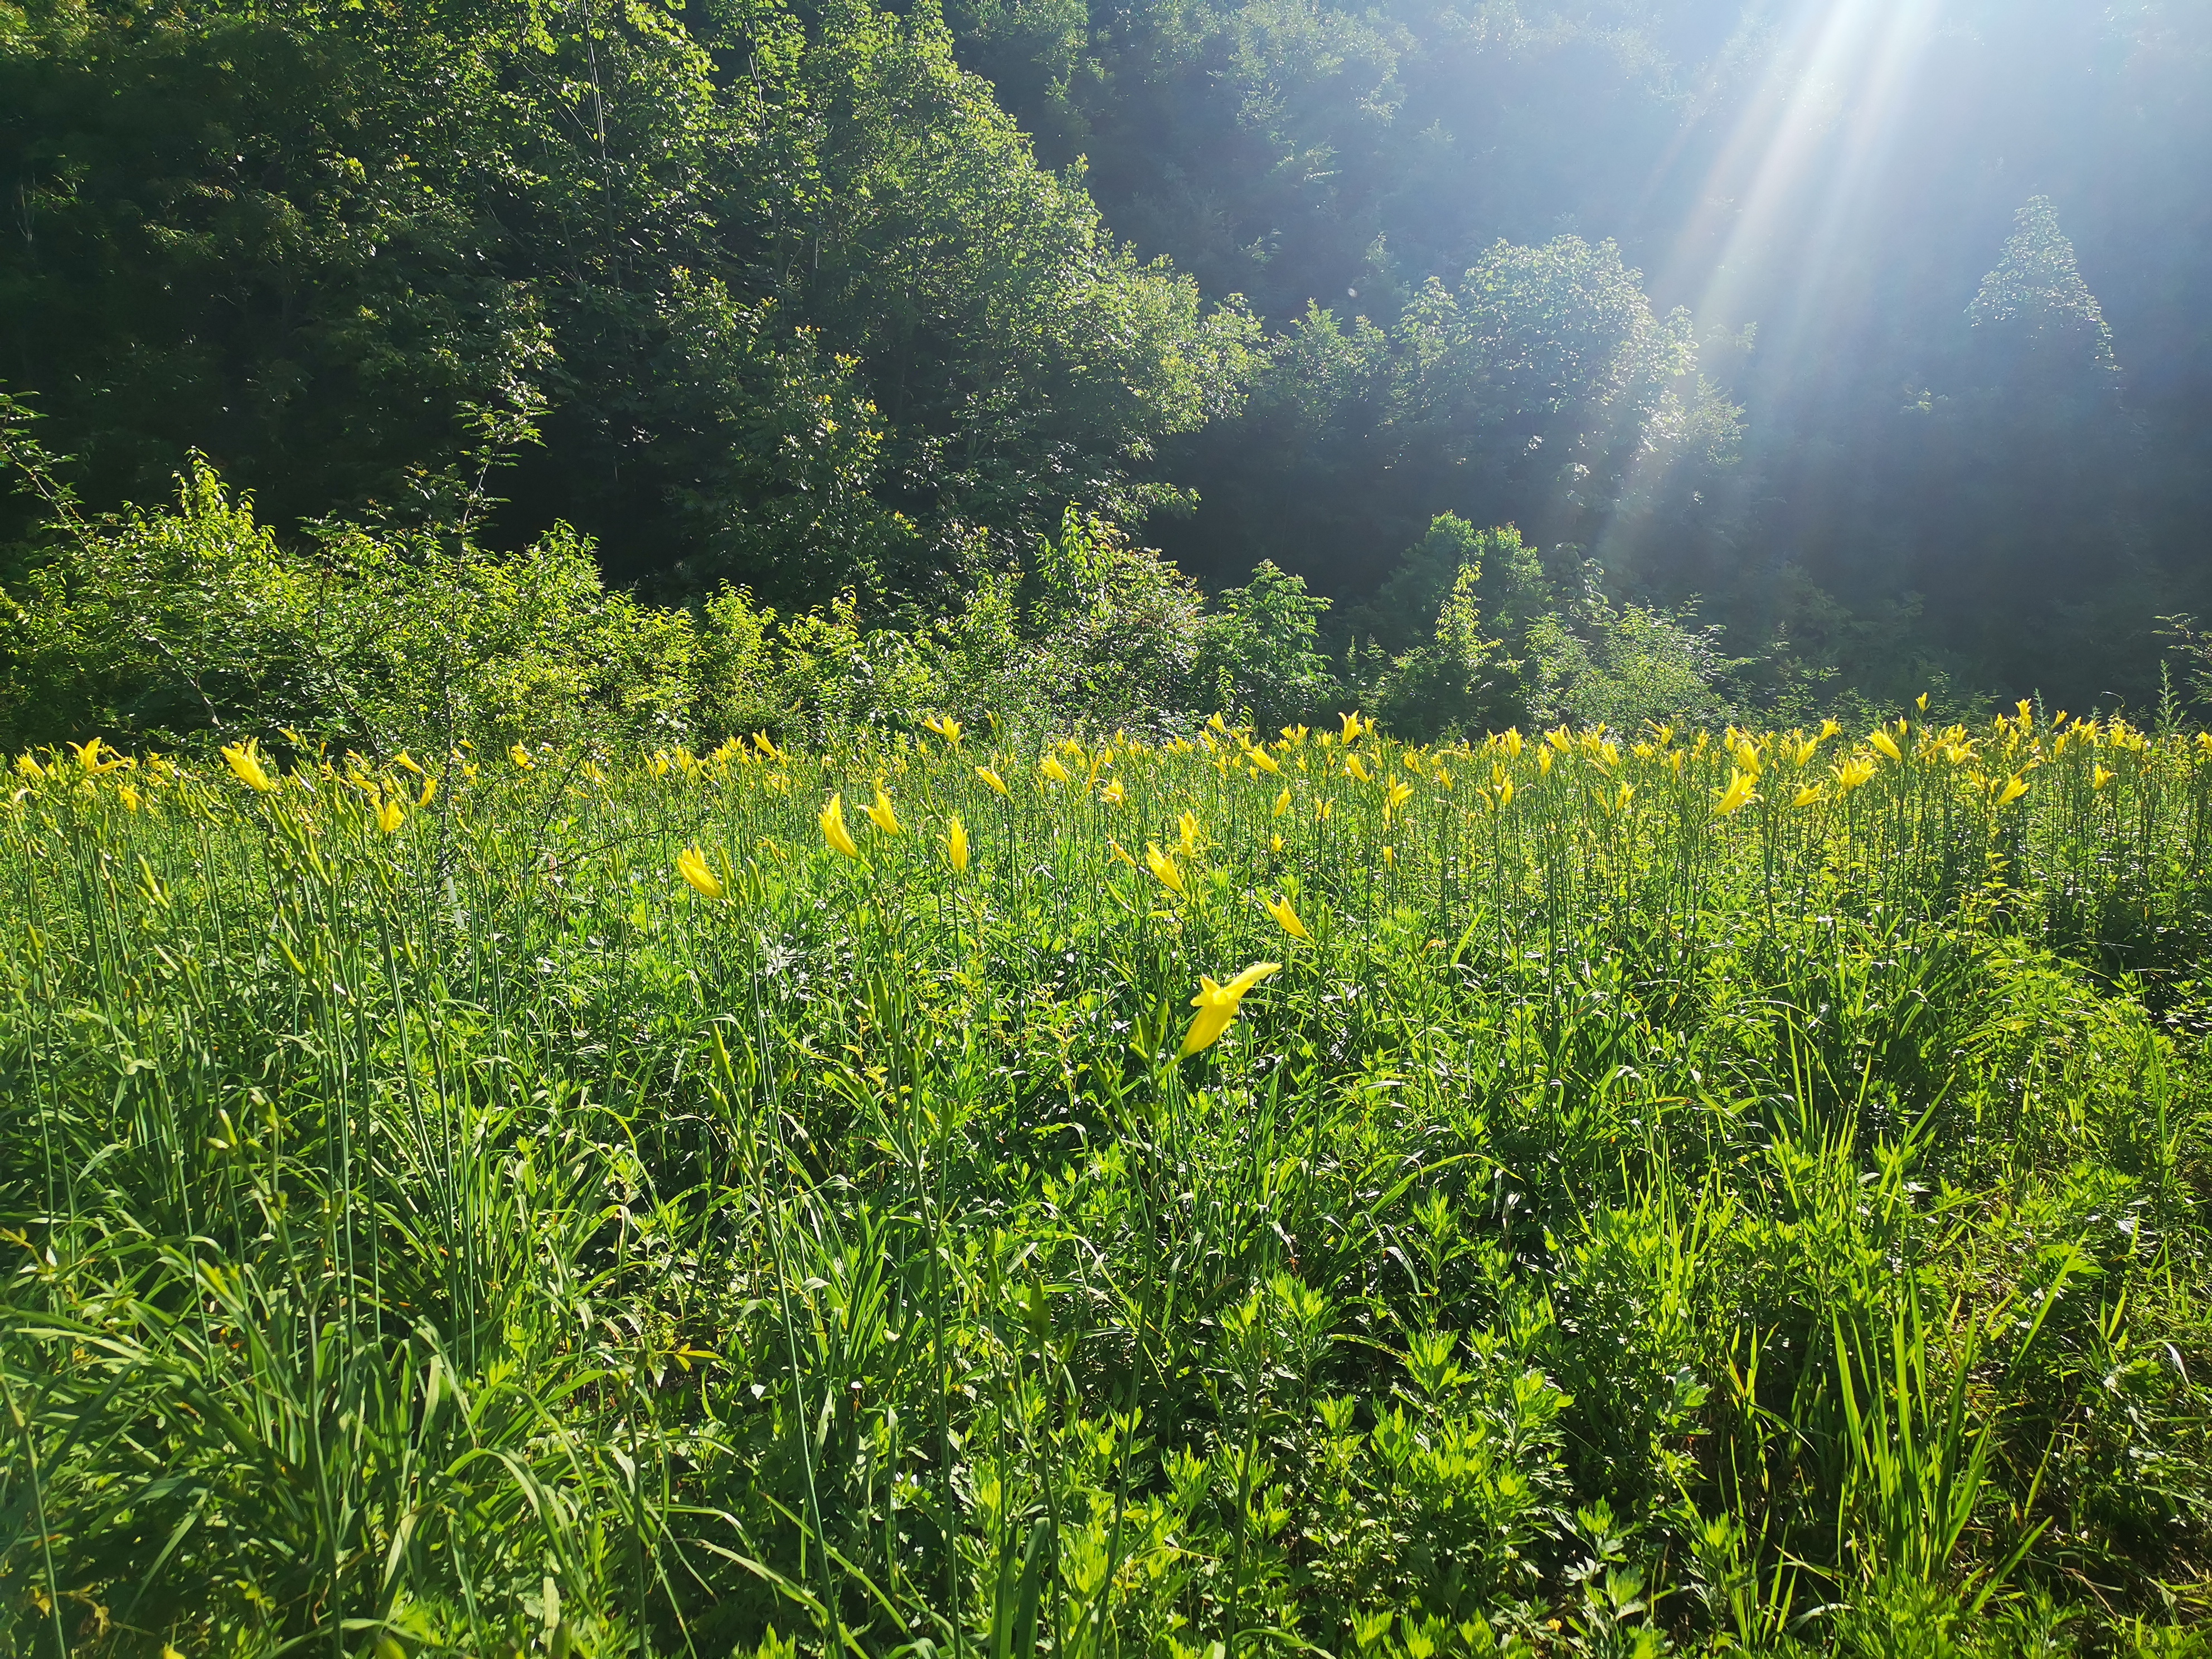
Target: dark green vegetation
{"x": 1678, "y": 1194}
{"x": 1767, "y": 308}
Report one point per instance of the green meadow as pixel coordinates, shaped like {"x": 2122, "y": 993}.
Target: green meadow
{"x": 1674, "y": 1191}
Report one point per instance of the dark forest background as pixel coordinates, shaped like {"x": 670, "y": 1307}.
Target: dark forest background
{"x": 1863, "y": 344}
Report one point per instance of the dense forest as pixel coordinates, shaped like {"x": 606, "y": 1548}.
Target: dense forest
{"x": 1841, "y": 346}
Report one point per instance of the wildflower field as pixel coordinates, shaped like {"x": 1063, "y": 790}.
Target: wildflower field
{"x": 1232, "y": 1195}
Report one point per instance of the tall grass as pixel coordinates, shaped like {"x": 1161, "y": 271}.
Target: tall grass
{"x": 1685, "y": 1191}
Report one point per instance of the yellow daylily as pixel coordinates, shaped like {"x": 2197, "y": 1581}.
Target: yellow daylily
{"x": 243, "y": 760}
{"x": 1163, "y": 868}
{"x": 880, "y": 813}
{"x": 956, "y": 843}
{"x": 1351, "y": 765}
{"x": 2100, "y": 776}
{"x": 429, "y": 790}
{"x": 1886, "y": 744}
{"x": 1052, "y": 768}
{"x": 1262, "y": 760}
{"x": 1113, "y": 794}
{"x": 1738, "y": 795}
{"x": 2015, "y": 786}
{"x": 1285, "y": 917}
{"x": 833, "y": 828}
{"x": 1353, "y": 726}
{"x": 1397, "y": 796}
{"x": 520, "y": 755}
{"x": 1187, "y": 835}
{"x": 1283, "y": 802}
{"x": 945, "y": 727}
{"x": 1809, "y": 795}
{"x": 992, "y": 778}
{"x": 389, "y": 816}
{"x": 1217, "y": 1005}
{"x": 691, "y": 865}
{"x": 1116, "y": 851}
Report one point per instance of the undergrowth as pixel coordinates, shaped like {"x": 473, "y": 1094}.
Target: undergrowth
{"x": 1677, "y": 1192}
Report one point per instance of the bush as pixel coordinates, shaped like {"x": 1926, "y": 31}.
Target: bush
{"x": 184, "y": 627}
{"x": 179, "y": 627}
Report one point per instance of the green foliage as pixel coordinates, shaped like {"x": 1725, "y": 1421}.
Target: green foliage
{"x": 196, "y": 624}
{"x": 1258, "y": 652}
{"x": 804, "y": 325}
{"x": 1623, "y": 1226}
{"x": 176, "y": 627}
{"x": 2036, "y": 295}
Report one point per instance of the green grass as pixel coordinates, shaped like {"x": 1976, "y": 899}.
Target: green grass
{"x": 1622, "y": 1224}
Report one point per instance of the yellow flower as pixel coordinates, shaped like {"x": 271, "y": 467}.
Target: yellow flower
{"x": 26, "y": 765}
{"x": 1512, "y": 741}
{"x": 128, "y": 796}
{"x": 1323, "y": 809}
{"x": 406, "y": 763}
{"x": 389, "y": 816}
{"x": 955, "y": 841}
{"x": 1283, "y": 801}
{"x": 429, "y": 790}
{"x": 1504, "y": 793}
{"x": 1116, "y": 850}
{"x": 2015, "y": 786}
{"x": 1287, "y": 918}
{"x": 2100, "y": 776}
{"x": 1882, "y": 741}
{"x": 1351, "y": 765}
{"x": 880, "y": 813}
{"x": 992, "y": 778}
{"x": 1390, "y": 857}
{"x": 1261, "y": 760}
{"x": 1053, "y": 769}
{"x": 1353, "y": 726}
{"x": 1738, "y": 795}
{"x": 1217, "y": 1005}
{"x": 1543, "y": 760}
{"x": 766, "y": 745}
{"x": 245, "y": 762}
{"x": 89, "y": 757}
{"x": 1274, "y": 843}
{"x": 1164, "y": 867}
{"x": 691, "y": 865}
{"x": 833, "y": 828}
{"x": 1113, "y": 794}
{"x": 520, "y": 755}
{"x": 1809, "y": 795}
{"x": 1187, "y": 827}
{"x": 1851, "y": 773}
{"x": 1397, "y": 795}
{"x": 945, "y": 727}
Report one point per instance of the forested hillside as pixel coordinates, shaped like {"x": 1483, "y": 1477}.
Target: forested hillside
{"x": 1761, "y": 324}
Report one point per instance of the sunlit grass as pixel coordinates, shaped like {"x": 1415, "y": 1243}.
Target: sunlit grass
{"x": 1076, "y": 1194}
